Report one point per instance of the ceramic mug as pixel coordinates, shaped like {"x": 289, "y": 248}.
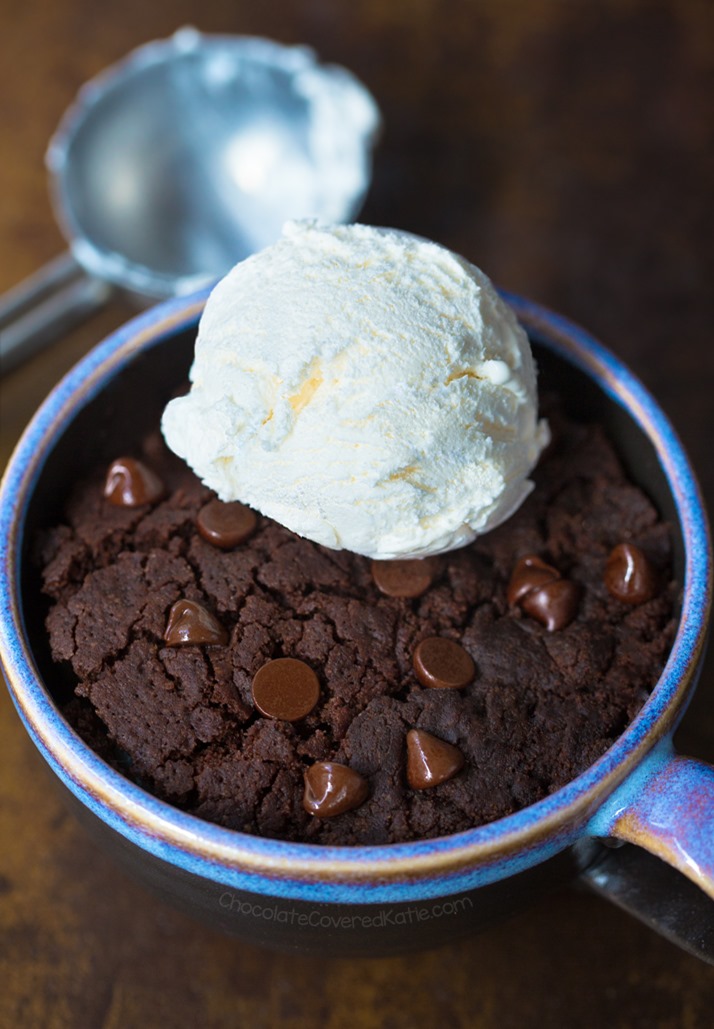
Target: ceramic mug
{"x": 378, "y": 899}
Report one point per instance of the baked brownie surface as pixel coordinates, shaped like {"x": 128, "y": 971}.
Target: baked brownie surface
{"x": 180, "y": 721}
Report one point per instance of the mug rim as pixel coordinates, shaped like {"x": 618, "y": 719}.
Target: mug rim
{"x": 195, "y": 844}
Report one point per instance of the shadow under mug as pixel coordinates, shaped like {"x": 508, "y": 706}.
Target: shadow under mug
{"x": 381, "y": 899}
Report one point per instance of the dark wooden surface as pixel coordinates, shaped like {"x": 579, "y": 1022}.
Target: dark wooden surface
{"x": 566, "y": 148}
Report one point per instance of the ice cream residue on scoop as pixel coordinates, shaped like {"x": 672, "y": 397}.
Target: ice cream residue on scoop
{"x": 364, "y": 387}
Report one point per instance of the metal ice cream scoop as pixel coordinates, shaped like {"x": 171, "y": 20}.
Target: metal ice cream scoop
{"x": 182, "y": 159}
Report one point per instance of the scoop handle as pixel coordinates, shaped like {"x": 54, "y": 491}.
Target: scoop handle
{"x": 38, "y": 310}
{"x": 667, "y": 809}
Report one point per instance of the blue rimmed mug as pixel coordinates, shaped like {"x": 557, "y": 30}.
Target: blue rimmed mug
{"x": 382, "y": 899}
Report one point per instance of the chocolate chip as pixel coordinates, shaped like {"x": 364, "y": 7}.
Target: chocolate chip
{"x": 530, "y": 573}
{"x": 629, "y": 575}
{"x": 129, "y": 483}
{"x": 430, "y": 761}
{"x": 226, "y": 525}
{"x": 538, "y": 589}
{"x": 285, "y": 688}
{"x": 331, "y": 789}
{"x": 553, "y": 605}
{"x": 404, "y": 578}
{"x": 443, "y": 664}
{"x": 190, "y": 622}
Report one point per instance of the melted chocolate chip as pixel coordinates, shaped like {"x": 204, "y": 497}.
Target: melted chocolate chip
{"x": 191, "y": 623}
{"x": 129, "y": 483}
{"x": 530, "y": 573}
{"x": 629, "y": 575}
{"x": 286, "y": 689}
{"x": 430, "y": 761}
{"x": 404, "y": 578}
{"x": 553, "y": 605}
{"x": 331, "y": 789}
{"x": 226, "y": 525}
{"x": 443, "y": 664}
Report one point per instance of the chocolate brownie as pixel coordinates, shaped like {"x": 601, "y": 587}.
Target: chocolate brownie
{"x": 538, "y": 704}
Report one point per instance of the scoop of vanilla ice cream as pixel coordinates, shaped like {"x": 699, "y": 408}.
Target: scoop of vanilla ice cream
{"x": 364, "y": 387}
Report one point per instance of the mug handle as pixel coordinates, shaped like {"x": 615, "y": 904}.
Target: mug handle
{"x": 667, "y": 808}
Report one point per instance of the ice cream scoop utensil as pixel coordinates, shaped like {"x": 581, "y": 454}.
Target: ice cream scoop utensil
{"x": 183, "y": 158}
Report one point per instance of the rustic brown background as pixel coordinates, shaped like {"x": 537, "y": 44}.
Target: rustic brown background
{"x": 563, "y": 145}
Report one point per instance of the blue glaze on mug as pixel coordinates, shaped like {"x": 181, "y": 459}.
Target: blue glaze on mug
{"x": 352, "y": 875}
{"x": 666, "y": 806}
